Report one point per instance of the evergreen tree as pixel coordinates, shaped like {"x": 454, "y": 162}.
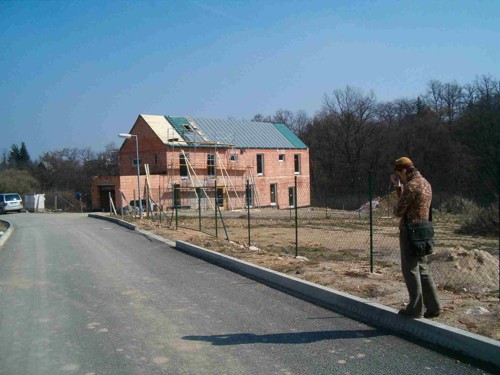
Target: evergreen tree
{"x": 13, "y": 156}
{"x": 24, "y": 157}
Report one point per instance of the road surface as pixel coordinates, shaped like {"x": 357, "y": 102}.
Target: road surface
{"x": 84, "y": 296}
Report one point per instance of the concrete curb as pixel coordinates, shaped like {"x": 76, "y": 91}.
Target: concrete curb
{"x": 133, "y": 227}
{"x": 123, "y": 223}
{"x": 6, "y": 234}
{"x": 440, "y": 335}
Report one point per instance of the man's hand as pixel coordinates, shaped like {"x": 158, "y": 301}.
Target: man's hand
{"x": 395, "y": 180}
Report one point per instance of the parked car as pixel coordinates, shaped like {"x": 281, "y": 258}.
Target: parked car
{"x": 10, "y": 202}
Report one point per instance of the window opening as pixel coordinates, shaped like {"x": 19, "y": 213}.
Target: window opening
{"x": 183, "y": 166}
{"x": 291, "y": 196}
{"x": 260, "y": 164}
{"x": 211, "y": 165}
{"x": 296, "y": 163}
{"x": 273, "y": 194}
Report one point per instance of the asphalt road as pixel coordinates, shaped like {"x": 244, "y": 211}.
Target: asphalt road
{"x": 84, "y": 296}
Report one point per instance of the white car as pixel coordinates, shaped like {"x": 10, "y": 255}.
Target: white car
{"x": 10, "y": 202}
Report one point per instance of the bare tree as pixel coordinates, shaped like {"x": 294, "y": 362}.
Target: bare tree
{"x": 352, "y": 114}
{"x": 434, "y": 97}
{"x": 283, "y": 116}
{"x": 452, "y": 101}
{"x": 260, "y": 118}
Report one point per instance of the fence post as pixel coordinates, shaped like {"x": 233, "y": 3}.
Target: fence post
{"x": 55, "y": 203}
{"x": 370, "y": 194}
{"x": 135, "y": 212}
{"x": 198, "y": 194}
{"x": 146, "y": 198}
{"x": 248, "y": 209}
{"x": 296, "y": 220}
{"x": 176, "y": 193}
{"x": 160, "y": 208}
{"x": 215, "y": 196}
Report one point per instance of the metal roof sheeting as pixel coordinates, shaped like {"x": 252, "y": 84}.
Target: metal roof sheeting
{"x": 248, "y": 134}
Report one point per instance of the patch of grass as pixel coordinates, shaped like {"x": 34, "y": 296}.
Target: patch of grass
{"x": 324, "y": 254}
{"x": 494, "y": 293}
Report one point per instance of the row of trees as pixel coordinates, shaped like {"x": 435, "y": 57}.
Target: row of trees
{"x": 65, "y": 170}
{"x": 451, "y": 132}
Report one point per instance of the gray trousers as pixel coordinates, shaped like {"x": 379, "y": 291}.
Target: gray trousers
{"x": 418, "y": 279}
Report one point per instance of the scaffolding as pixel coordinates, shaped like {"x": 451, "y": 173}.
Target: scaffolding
{"x": 222, "y": 167}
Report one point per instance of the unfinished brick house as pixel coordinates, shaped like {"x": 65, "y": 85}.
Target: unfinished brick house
{"x": 211, "y": 162}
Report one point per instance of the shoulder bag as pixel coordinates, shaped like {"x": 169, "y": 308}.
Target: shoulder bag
{"x": 421, "y": 236}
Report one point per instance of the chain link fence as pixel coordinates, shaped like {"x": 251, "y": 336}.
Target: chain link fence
{"x": 362, "y": 235}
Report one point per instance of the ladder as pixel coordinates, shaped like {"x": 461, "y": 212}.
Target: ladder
{"x": 148, "y": 189}
{"x": 225, "y": 174}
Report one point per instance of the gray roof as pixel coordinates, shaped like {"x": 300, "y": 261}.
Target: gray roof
{"x": 248, "y": 134}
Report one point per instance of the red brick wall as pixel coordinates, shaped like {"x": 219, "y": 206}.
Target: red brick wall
{"x": 149, "y": 146}
{"x": 278, "y": 172}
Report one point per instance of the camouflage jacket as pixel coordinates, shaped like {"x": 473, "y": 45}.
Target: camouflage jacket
{"x": 415, "y": 200}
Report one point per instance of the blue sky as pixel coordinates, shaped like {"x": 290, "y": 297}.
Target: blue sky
{"x": 77, "y": 73}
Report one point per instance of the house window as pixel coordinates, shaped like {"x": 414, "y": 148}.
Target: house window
{"x": 291, "y": 196}
{"x": 233, "y": 157}
{"x": 211, "y": 165}
{"x": 183, "y": 165}
{"x": 260, "y": 164}
{"x": 134, "y": 162}
{"x": 249, "y": 196}
{"x": 296, "y": 163}
{"x": 155, "y": 159}
{"x": 281, "y": 157}
{"x": 273, "y": 194}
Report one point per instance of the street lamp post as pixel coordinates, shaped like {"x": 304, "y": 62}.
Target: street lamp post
{"x": 128, "y": 136}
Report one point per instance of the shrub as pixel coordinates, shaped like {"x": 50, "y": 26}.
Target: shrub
{"x": 481, "y": 221}
{"x": 17, "y": 181}
{"x": 458, "y": 205}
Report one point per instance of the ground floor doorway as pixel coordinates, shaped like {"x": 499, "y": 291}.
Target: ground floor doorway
{"x": 104, "y": 193}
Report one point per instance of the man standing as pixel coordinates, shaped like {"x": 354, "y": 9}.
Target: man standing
{"x": 414, "y": 202}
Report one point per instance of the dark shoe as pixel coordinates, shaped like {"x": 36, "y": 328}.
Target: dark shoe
{"x": 432, "y": 314}
{"x": 409, "y": 314}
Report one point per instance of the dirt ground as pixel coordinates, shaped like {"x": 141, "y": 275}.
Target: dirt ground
{"x": 474, "y": 312}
